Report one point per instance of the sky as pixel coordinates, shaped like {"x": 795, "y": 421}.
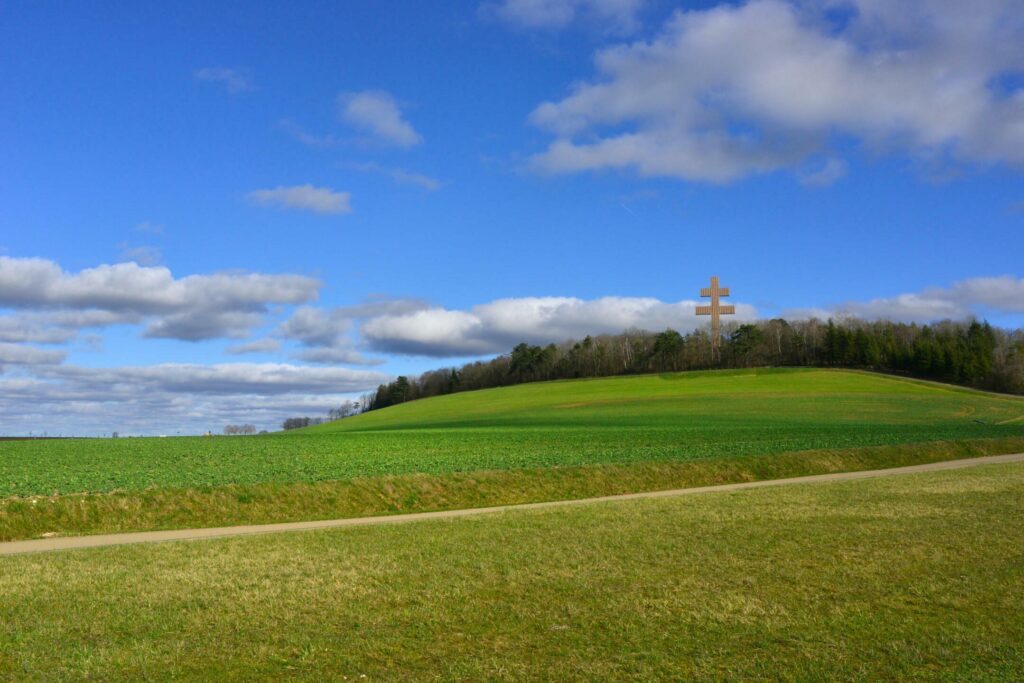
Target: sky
{"x": 214, "y": 214}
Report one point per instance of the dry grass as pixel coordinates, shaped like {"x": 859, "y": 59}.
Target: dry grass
{"x": 915, "y": 577}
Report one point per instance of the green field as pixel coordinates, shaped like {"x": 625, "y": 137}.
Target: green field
{"x": 618, "y": 420}
{"x": 515, "y": 444}
{"x": 917, "y": 576}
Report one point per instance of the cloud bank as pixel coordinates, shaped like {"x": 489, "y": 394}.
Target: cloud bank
{"x": 973, "y": 297}
{"x": 497, "y": 326}
{"x": 191, "y": 308}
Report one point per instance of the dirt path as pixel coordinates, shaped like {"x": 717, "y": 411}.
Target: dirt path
{"x": 72, "y": 542}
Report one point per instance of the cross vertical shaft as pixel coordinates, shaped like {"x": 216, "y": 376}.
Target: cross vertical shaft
{"x": 715, "y": 310}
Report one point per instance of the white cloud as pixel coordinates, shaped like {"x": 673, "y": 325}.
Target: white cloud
{"x": 377, "y": 113}
{"x": 304, "y": 198}
{"x": 190, "y": 308}
{"x": 58, "y": 327}
{"x": 434, "y": 332}
{"x": 496, "y": 326}
{"x": 738, "y": 89}
{"x": 325, "y": 334}
{"x": 618, "y": 16}
{"x": 16, "y": 354}
{"x": 33, "y": 328}
{"x": 233, "y": 80}
{"x": 336, "y": 356}
{"x": 199, "y": 324}
{"x": 258, "y": 346}
{"x": 258, "y": 379}
{"x": 315, "y": 326}
{"x": 1004, "y": 294}
{"x": 906, "y": 307}
{"x": 973, "y": 297}
{"x": 28, "y": 282}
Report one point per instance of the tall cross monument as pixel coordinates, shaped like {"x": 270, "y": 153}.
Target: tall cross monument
{"x": 715, "y": 310}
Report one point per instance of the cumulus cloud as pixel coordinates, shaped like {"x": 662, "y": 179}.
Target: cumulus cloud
{"x": 315, "y": 326}
{"x": 198, "y": 325}
{"x": 325, "y": 336}
{"x": 190, "y": 308}
{"x": 725, "y": 92}
{"x": 496, "y": 326}
{"x": 973, "y": 297}
{"x": 58, "y": 327}
{"x": 618, "y": 16}
{"x": 376, "y": 112}
{"x": 304, "y": 198}
{"x": 28, "y": 282}
{"x": 234, "y": 80}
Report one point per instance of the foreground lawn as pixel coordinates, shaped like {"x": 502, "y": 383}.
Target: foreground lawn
{"x": 914, "y": 576}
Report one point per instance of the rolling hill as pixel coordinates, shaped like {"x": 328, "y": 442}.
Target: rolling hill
{"x": 525, "y": 442}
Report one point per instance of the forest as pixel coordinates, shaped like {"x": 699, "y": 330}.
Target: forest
{"x": 973, "y": 354}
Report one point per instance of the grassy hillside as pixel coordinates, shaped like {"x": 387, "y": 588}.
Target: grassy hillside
{"x": 733, "y": 400}
{"x": 528, "y": 442}
{"x": 918, "y": 576}
{"x": 623, "y": 419}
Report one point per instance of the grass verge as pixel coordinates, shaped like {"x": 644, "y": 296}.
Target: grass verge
{"x": 153, "y": 509}
{"x": 915, "y": 577}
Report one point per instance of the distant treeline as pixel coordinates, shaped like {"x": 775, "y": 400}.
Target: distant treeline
{"x": 973, "y": 354}
{"x": 346, "y": 409}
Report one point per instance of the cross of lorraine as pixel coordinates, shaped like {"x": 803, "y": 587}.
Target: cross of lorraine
{"x": 715, "y": 310}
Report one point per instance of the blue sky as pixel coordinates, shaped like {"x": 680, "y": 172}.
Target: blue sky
{"x": 248, "y": 214}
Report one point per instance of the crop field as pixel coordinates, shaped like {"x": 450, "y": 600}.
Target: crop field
{"x": 618, "y": 420}
{"x": 915, "y": 576}
{"x": 514, "y": 444}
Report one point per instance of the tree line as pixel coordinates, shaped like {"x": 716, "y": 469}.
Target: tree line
{"x": 973, "y": 354}
{"x": 232, "y": 430}
{"x": 346, "y": 409}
